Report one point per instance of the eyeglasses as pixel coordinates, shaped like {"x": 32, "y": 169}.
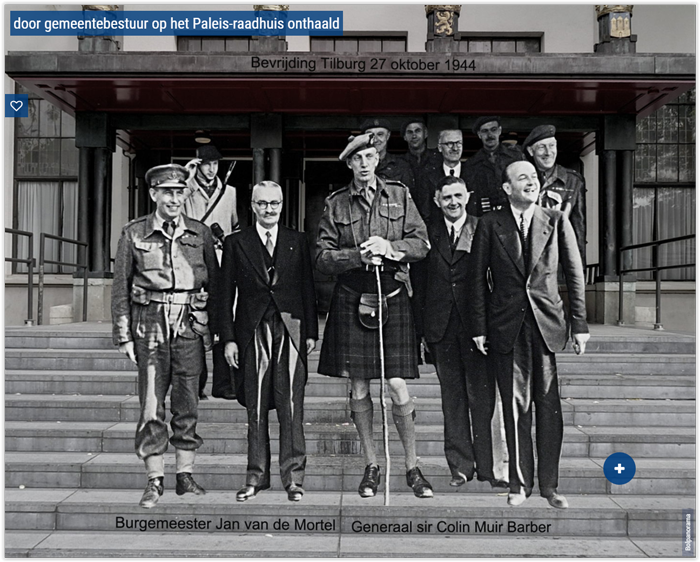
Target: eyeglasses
{"x": 452, "y": 145}
{"x": 263, "y": 205}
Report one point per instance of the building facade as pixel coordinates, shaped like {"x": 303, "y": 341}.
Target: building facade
{"x": 104, "y": 110}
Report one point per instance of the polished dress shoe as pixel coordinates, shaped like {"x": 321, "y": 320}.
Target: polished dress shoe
{"x": 203, "y": 396}
{"x": 458, "y": 480}
{"x": 185, "y": 484}
{"x": 495, "y": 482}
{"x": 152, "y": 493}
{"x": 249, "y": 491}
{"x": 294, "y": 493}
{"x": 370, "y": 482}
{"x": 421, "y": 487}
{"x": 518, "y": 498}
{"x": 554, "y": 499}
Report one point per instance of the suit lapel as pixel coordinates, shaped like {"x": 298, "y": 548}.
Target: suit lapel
{"x": 253, "y": 249}
{"x": 507, "y": 232}
{"x": 464, "y": 244}
{"x": 540, "y": 232}
{"x": 443, "y": 241}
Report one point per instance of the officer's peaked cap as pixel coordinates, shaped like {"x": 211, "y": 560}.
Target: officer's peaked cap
{"x": 167, "y": 175}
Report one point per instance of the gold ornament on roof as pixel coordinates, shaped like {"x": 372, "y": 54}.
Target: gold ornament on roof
{"x": 604, "y": 9}
{"x": 271, "y": 7}
{"x": 455, "y": 8}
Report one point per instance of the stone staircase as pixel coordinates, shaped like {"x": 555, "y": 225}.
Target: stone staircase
{"x": 73, "y": 481}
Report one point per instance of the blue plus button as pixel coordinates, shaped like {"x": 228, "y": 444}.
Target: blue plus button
{"x": 619, "y": 468}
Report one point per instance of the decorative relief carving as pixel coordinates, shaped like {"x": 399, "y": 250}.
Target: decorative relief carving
{"x": 100, "y": 7}
{"x": 604, "y": 9}
{"x": 620, "y": 27}
{"x": 271, "y": 7}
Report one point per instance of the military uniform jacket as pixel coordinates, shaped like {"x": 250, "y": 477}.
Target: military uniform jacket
{"x": 566, "y": 191}
{"x": 346, "y": 223}
{"x": 430, "y": 158}
{"x": 485, "y": 178}
{"x": 148, "y": 260}
{"x": 393, "y": 167}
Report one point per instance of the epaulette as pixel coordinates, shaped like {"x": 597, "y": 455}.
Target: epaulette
{"x": 335, "y": 193}
{"x": 574, "y": 173}
{"x": 396, "y": 182}
{"x": 135, "y": 221}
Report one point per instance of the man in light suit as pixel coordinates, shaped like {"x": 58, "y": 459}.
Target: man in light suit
{"x": 524, "y": 320}
{"x": 275, "y": 328}
{"x": 465, "y": 384}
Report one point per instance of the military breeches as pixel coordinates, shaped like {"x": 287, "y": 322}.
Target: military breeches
{"x": 178, "y": 363}
{"x": 275, "y": 377}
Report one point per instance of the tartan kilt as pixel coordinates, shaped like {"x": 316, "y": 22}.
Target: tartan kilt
{"x": 351, "y": 350}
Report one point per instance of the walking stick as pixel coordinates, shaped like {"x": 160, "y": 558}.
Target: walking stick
{"x": 382, "y": 391}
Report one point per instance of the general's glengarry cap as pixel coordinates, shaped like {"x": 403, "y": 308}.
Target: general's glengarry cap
{"x": 355, "y": 144}
{"x": 167, "y": 175}
{"x": 538, "y": 133}
{"x": 481, "y": 121}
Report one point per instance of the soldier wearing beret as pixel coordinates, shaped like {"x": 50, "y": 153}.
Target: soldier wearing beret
{"x": 562, "y": 189}
{"x": 165, "y": 272}
{"x": 485, "y": 168}
{"x": 372, "y": 223}
{"x": 210, "y": 201}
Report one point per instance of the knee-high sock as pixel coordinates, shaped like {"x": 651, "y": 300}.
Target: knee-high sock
{"x": 184, "y": 460}
{"x": 155, "y": 466}
{"x": 362, "y": 415}
{"x": 403, "y": 420}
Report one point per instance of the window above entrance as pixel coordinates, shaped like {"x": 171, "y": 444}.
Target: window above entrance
{"x": 501, "y": 42}
{"x": 390, "y": 42}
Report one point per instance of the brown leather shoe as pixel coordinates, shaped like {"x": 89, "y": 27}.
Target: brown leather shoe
{"x": 186, "y": 484}
{"x": 152, "y": 493}
{"x": 421, "y": 487}
{"x": 370, "y": 482}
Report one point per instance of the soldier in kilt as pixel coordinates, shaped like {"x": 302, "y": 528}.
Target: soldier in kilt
{"x": 372, "y": 223}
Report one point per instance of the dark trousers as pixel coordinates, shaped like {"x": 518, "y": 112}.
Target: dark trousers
{"x": 222, "y": 377}
{"x": 528, "y": 375}
{"x": 176, "y": 363}
{"x": 275, "y": 377}
{"x": 465, "y": 387}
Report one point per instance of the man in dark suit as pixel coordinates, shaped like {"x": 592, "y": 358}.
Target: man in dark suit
{"x": 523, "y": 318}
{"x": 268, "y": 267}
{"x": 464, "y": 382}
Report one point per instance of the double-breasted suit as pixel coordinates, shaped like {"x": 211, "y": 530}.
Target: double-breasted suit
{"x": 464, "y": 382}
{"x": 275, "y": 315}
{"x": 525, "y": 323}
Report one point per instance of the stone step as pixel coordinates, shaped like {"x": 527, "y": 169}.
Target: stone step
{"x": 112, "y": 360}
{"x": 323, "y": 473}
{"x": 125, "y": 408}
{"x": 99, "y": 336}
{"x": 338, "y": 439}
{"x": 68, "y": 544}
{"x": 675, "y": 387}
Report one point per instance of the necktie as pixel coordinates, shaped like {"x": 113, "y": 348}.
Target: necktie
{"x": 369, "y": 195}
{"x": 523, "y": 233}
{"x": 269, "y": 246}
{"x": 453, "y": 239}
{"x": 169, "y": 228}
{"x": 452, "y": 173}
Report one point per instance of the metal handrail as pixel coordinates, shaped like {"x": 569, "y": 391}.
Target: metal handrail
{"x": 655, "y": 268}
{"x": 42, "y": 238}
{"x": 31, "y": 264}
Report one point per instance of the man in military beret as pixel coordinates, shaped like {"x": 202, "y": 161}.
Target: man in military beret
{"x": 485, "y": 168}
{"x": 372, "y": 223}
{"x": 212, "y": 202}
{"x": 419, "y": 156}
{"x": 165, "y": 272}
{"x": 562, "y": 189}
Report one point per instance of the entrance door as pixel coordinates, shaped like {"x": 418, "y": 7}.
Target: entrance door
{"x": 322, "y": 176}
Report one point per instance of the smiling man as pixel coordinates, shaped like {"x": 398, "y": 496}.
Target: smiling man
{"x": 521, "y": 316}
{"x": 164, "y": 275}
{"x": 466, "y": 389}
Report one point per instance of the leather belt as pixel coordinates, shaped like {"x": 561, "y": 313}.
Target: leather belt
{"x": 172, "y": 297}
{"x": 357, "y": 293}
